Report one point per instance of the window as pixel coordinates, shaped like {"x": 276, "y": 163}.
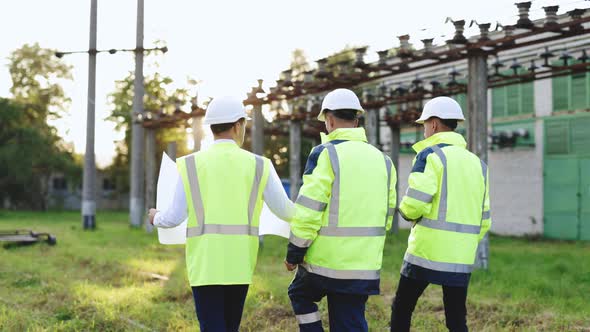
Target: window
{"x": 462, "y": 100}
{"x": 571, "y": 92}
{"x": 108, "y": 185}
{"x": 513, "y": 134}
{"x": 567, "y": 136}
{"x": 513, "y": 100}
{"x": 60, "y": 183}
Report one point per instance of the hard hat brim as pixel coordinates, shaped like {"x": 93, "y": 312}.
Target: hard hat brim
{"x": 421, "y": 120}
{"x": 322, "y": 115}
{"x": 210, "y": 121}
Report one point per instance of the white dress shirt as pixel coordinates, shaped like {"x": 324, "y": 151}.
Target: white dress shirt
{"x": 274, "y": 196}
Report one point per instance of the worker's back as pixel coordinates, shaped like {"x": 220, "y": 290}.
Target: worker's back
{"x": 352, "y": 176}
{"x": 223, "y": 187}
{"x": 446, "y": 194}
{"x": 465, "y": 186}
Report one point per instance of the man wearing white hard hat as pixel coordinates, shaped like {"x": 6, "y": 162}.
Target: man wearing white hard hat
{"x": 342, "y": 214}
{"x": 222, "y": 190}
{"x": 448, "y": 202}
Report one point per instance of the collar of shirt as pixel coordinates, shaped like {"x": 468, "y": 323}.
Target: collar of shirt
{"x": 348, "y": 134}
{"x": 448, "y": 137}
{"x": 224, "y": 140}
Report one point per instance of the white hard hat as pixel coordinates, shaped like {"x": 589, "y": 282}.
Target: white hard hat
{"x": 340, "y": 99}
{"x": 442, "y": 108}
{"x": 225, "y": 110}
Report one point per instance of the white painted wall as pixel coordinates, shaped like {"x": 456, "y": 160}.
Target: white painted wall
{"x": 543, "y": 97}
{"x": 516, "y": 192}
{"x": 403, "y": 171}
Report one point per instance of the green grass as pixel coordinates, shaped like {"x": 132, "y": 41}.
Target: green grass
{"x": 100, "y": 281}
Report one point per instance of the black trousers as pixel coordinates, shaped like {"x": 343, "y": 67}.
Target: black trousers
{"x": 408, "y": 292}
{"x": 219, "y": 307}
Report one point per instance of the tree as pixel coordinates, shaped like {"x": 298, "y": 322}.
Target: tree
{"x": 299, "y": 64}
{"x": 28, "y": 156}
{"x": 30, "y": 149}
{"x": 35, "y": 74}
{"x": 346, "y": 55}
{"x": 159, "y": 98}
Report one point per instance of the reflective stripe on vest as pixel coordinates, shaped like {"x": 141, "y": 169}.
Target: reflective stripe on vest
{"x": 388, "y": 168}
{"x": 441, "y": 223}
{"x": 300, "y": 242}
{"x": 484, "y": 214}
{"x": 333, "y": 229}
{"x": 221, "y": 229}
{"x": 341, "y": 274}
{"x": 450, "y": 226}
{"x": 203, "y": 228}
{"x": 311, "y": 203}
{"x": 335, "y": 197}
{"x": 419, "y": 195}
{"x": 438, "y": 266}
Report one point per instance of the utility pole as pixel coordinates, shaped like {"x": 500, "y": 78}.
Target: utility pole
{"x": 150, "y": 173}
{"x": 136, "y": 200}
{"x": 477, "y": 131}
{"x": 294, "y": 157}
{"x": 89, "y": 178}
{"x": 394, "y": 155}
{"x": 171, "y": 150}
{"x": 372, "y": 124}
{"x": 257, "y": 129}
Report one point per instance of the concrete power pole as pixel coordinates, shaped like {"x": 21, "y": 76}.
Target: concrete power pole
{"x": 394, "y": 155}
{"x": 150, "y": 173}
{"x": 89, "y": 182}
{"x": 171, "y": 150}
{"x": 477, "y": 130}
{"x": 257, "y": 130}
{"x": 372, "y": 124}
{"x": 295, "y": 157}
{"x": 136, "y": 200}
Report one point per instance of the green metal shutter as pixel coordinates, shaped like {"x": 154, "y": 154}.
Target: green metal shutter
{"x": 527, "y": 98}
{"x": 567, "y": 178}
{"x": 579, "y": 91}
{"x": 393, "y": 109}
{"x": 557, "y": 137}
{"x": 560, "y": 87}
{"x": 462, "y": 101}
{"x": 499, "y": 102}
{"x": 580, "y": 136}
{"x": 585, "y": 199}
{"x": 513, "y": 100}
{"x": 561, "y": 198}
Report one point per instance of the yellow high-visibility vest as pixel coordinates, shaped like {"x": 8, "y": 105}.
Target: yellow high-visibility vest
{"x": 345, "y": 207}
{"x": 448, "y": 197}
{"x": 223, "y": 187}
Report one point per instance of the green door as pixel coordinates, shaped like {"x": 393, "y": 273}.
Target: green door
{"x": 567, "y": 178}
{"x": 561, "y": 198}
{"x": 585, "y": 199}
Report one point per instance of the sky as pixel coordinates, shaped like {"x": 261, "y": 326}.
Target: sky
{"x": 227, "y": 45}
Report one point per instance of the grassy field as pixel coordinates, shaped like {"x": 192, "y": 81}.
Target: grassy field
{"x": 104, "y": 281}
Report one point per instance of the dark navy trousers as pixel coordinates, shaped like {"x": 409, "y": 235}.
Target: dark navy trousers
{"x": 219, "y": 307}
{"x": 346, "y": 311}
{"x": 408, "y": 292}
